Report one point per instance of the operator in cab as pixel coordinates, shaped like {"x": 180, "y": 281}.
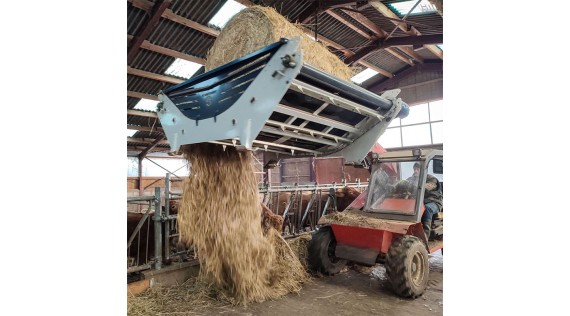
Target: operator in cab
{"x": 433, "y": 198}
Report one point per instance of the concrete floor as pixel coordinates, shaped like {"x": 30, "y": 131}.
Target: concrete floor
{"x": 356, "y": 291}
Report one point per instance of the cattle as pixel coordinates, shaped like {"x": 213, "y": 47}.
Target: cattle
{"x": 138, "y": 253}
{"x": 142, "y": 246}
{"x": 270, "y": 220}
{"x": 344, "y": 196}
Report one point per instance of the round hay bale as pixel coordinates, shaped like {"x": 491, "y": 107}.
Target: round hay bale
{"x": 256, "y": 27}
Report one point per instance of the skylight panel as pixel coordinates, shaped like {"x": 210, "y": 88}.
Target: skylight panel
{"x": 225, "y": 13}
{"x": 440, "y": 46}
{"x": 364, "y": 75}
{"x": 182, "y": 68}
{"x": 402, "y": 8}
{"x": 146, "y": 105}
{"x": 131, "y": 132}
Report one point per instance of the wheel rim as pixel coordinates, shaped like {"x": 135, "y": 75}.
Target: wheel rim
{"x": 418, "y": 269}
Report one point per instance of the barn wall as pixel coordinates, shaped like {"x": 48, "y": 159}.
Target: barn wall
{"x": 296, "y": 170}
{"x": 329, "y": 170}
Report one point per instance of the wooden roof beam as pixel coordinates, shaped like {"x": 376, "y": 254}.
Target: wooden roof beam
{"x": 376, "y": 68}
{"x": 168, "y": 14}
{"x": 156, "y": 12}
{"x": 142, "y": 113}
{"x": 346, "y": 22}
{"x": 172, "y": 53}
{"x": 366, "y": 22}
{"x": 153, "y": 76}
{"x": 435, "y": 50}
{"x": 410, "y": 52}
{"x": 140, "y": 95}
{"x": 145, "y": 128}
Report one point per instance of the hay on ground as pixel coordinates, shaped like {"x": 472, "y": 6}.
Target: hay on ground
{"x": 300, "y": 246}
{"x": 256, "y": 27}
{"x": 191, "y": 296}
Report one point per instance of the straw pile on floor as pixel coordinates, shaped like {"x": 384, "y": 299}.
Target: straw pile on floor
{"x": 191, "y": 297}
{"x": 300, "y": 246}
{"x": 220, "y": 217}
{"x": 256, "y": 27}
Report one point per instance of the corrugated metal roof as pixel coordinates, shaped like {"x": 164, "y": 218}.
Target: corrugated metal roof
{"x": 151, "y": 61}
{"x": 199, "y": 11}
{"x": 336, "y": 31}
{"x": 132, "y": 102}
{"x": 386, "y": 61}
{"x": 426, "y": 53}
{"x": 382, "y": 22}
{"x": 143, "y": 134}
{"x": 289, "y": 9}
{"x": 178, "y": 37}
{"x": 143, "y": 121}
{"x": 354, "y": 22}
{"x": 434, "y": 21}
{"x": 136, "y": 143}
{"x": 136, "y": 19}
{"x": 144, "y": 85}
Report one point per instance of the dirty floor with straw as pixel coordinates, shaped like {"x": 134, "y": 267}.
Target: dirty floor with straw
{"x": 355, "y": 291}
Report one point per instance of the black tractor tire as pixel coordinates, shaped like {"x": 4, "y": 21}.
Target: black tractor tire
{"x": 321, "y": 252}
{"x": 407, "y": 266}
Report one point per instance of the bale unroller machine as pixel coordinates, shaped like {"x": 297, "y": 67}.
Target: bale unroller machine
{"x": 271, "y": 100}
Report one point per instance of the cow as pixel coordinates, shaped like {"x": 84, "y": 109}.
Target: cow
{"x": 344, "y": 197}
{"x": 139, "y": 253}
{"x": 270, "y": 220}
{"x": 142, "y": 246}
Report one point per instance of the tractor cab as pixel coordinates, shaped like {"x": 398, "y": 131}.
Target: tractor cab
{"x": 397, "y": 187}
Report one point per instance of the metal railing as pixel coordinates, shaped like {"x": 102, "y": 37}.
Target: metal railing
{"x": 304, "y": 204}
{"x": 139, "y": 248}
{"x": 150, "y": 244}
